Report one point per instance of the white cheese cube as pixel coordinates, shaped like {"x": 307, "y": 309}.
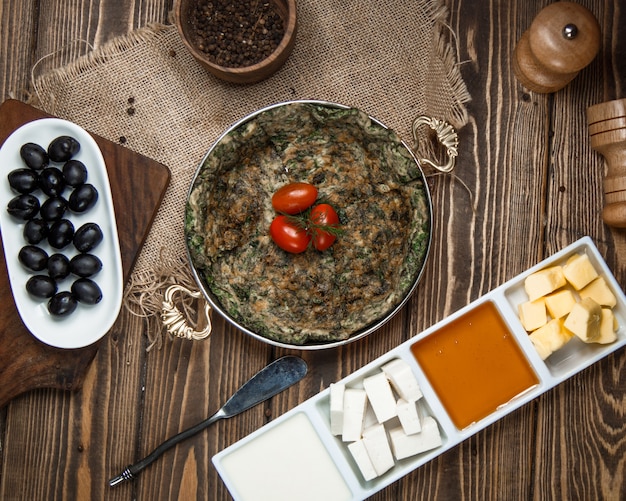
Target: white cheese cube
{"x": 608, "y": 327}
{"x": 544, "y": 282}
{"x": 550, "y": 337}
{"x": 584, "y": 320}
{"x": 370, "y": 418}
{"x": 378, "y": 450}
{"x": 599, "y": 291}
{"x": 380, "y": 396}
{"x": 560, "y": 303}
{"x": 532, "y": 314}
{"x": 354, "y": 403}
{"x": 402, "y": 379}
{"x": 362, "y": 459}
{"x": 337, "y": 391}
{"x": 409, "y": 419}
{"x": 579, "y": 271}
{"x": 405, "y": 446}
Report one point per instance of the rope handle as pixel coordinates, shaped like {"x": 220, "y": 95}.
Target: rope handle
{"x": 175, "y": 322}
{"x": 446, "y": 135}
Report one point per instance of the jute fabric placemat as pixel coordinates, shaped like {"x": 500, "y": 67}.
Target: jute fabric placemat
{"x": 395, "y": 60}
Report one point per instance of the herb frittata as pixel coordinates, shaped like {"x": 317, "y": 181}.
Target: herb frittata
{"x": 359, "y": 167}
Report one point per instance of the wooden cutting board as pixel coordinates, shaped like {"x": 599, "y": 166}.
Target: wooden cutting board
{"x": 138, "y": 185}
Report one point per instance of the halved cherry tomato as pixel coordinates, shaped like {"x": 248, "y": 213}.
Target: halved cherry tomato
{"x": 288, "y": 235}
{"x": 294, "y": 198}
{"x": 323, "y": 215}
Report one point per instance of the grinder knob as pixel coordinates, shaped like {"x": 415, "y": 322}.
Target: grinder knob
{"x": 607, "y": 130}
{"x": 562, "y": 39}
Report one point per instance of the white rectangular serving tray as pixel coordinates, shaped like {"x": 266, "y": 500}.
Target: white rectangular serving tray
{"x": 563, "y": 364}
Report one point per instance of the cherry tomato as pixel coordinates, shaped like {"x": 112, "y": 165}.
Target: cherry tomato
{"x": 294, "y": 198}
{"x": 323, "y": 215}
{"x": 288, "y": 235}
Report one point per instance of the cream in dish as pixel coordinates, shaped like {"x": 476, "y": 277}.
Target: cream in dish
{"x": 290, "y": 462}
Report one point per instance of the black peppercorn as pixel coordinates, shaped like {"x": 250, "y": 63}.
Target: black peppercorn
{"x": 237, "y": 34}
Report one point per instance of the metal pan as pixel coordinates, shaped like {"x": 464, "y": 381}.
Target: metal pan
{"x": 218, "y": 169}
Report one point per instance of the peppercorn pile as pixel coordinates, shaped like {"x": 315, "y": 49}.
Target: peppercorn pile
{"x": 237, "y": 34}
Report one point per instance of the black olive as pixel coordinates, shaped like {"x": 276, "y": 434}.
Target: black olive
{"x": 33, "y": 257}
{"x": 63, "y": 148}
{"x": 51, "y": 181}
{"x": 34, "y": 156}
{"x": 87, "y": 237}
{"x": 75, "y": 172}
{"x": 53, "y": 209}
{"x": 58, "y": 266}
{"x": 86, "y": 291}
{"x": 35, "y": 230}
{"x": 61, "y": 233}
{"x": 23, "y": 180}
{"x": 62, "y": 304}
{"x": 23, "y": 206}
{"x": 41, "y": 286}
{"x": 85, "y": 265}
{"x": 83, "y": 198}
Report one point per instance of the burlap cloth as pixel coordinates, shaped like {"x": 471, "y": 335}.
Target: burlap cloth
{"x": 395, "y": 60}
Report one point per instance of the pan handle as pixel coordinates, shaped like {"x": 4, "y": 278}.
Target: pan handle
{"x": 446, "y": 135}
{"x": 175, "y": 322}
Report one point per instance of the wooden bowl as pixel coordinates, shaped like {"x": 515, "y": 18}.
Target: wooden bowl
{"x": 286, "y": 9}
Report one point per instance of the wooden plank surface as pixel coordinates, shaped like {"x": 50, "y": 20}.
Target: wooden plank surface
{"x": 536, "y": 186}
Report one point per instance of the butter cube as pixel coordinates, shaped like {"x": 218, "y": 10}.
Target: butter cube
{"x": 380, "y": 396}
{"x": 402, "y": 379}
{"x": 600, "y": 292}
{"x": 354, "y": 403}
{"x": 362, "y": 459}
{"x": 405, "y": 446}
{"x": 337, "y": 391}
{"x": 544, "y": 282}
{"x": 378, "y": 450}
{"x": 579, "y": 271}
{"x": 584, "y": 320}
{"x": 532, "y": 314}
{"x": 549, "y": 338}
{"x": 608, "y": 327}
{"x": 560, "y": 303}
{"x": 409, "y": 419}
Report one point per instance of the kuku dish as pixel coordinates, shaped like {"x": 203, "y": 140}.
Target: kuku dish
{"x": 313, "y": 299}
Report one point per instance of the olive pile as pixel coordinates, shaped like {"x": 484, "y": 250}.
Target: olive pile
{"x": 47, "y": 220}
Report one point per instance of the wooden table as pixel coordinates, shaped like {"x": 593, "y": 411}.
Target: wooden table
{"x": 536, "y": 185}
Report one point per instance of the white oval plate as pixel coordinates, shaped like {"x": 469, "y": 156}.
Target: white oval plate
{"x": 86, "y": 324}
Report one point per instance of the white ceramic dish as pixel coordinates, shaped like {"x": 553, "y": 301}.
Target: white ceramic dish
{"x": 571, "y": 359}
{"x": 87, "y": 324}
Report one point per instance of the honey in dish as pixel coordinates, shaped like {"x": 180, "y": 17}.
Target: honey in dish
{"x": 474, "y": 364}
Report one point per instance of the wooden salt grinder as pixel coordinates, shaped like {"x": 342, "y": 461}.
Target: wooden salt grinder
{"x": 562, "y": 39}
{"x": 607, "y": 129}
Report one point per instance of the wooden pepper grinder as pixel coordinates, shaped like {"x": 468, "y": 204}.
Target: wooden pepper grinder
{"x": 607, "y": 129}
{"x": 562, "y": 39}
